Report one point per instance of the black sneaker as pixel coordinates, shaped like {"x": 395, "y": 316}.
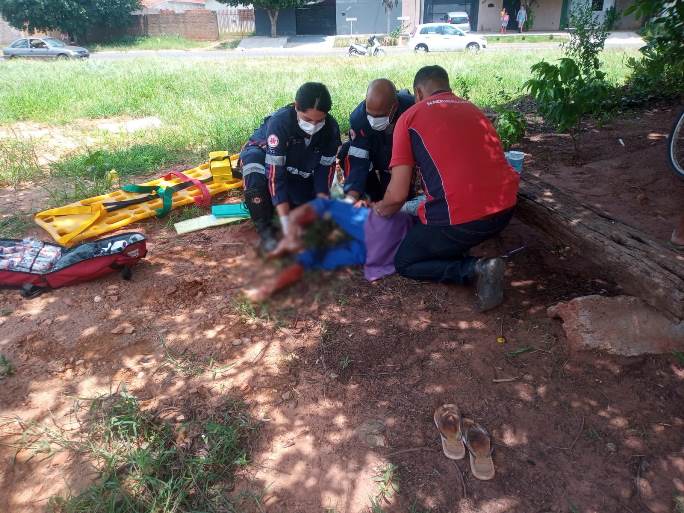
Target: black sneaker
{"x": 268, "y": 240}
{"x": 489, "y": 282}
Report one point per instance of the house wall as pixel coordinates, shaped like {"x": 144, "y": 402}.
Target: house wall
{"x": 371, "y": 17}
{"x": 198, "y": 24}
{"x": 630, "y": 22}
{"x": 411, "y": 9}
{"x": 8, "y": 33}
{"x": 286, "y": 25}
{"x": 546, "y": 15}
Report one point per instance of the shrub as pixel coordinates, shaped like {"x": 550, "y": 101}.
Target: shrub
{"x": 510, "y": 125}
{"x": 587, "y": 37}
{"x": 660, "y": 72}
{"x": 565, "y": 96}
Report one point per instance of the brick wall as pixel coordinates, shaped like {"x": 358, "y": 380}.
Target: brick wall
{"x": 199, "y": 24}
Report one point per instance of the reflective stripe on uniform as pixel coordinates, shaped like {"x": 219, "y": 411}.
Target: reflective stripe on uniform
{"x": 358, "y": 152}
{"x": 253, "y": 168}
{"x": 295, "y": 171}
{"x": 275, "y": 160}
{"x": 327, "y": 161}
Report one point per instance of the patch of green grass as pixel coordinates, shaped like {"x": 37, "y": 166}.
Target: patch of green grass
{"x": 18, "y": 161}
{"x": 183, "y": 214}
{"x": 6, "y": 367}
{"x": 415, "y": 508}
{"x": 212, "y": 105}
{"x": 679, "y": 503}
{"x": 147, "y": 465}
{"x": 87, "y": 174}
{"x": 518, "y": 352}
{"x": 388, "y": 482}
{"x": 168, "y": 42}
{"x": 345, "y": 362}
{"x": 526, "y": 38}
{"x": 679, "y": 356}
{"x": 14, "y": 226}
{"x": 228, "y": 44}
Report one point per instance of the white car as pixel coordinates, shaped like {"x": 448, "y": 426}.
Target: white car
{"x": 443, "y": 37}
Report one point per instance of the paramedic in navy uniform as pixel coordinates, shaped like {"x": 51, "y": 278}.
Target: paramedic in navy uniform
{"x": 365, "y": 158}
{"x": 290, "y": 160}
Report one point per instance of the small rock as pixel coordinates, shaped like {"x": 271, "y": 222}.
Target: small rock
{"x": 56, "y": 366}
{"x": 79, "y": 362}
{"x": 141, "y": 375}
{"x": 611, "y": 447}
{"x": 180, "y": 418}
{"x": 371, "y": 432}
{"x": 97, "y": 299}
{"x": 125, "y": 327}
{"x": 333, "y": 375}
{"x": 68, "y": 374}
{"x": 528, "y": 377}
{"x": 237, "y": 342}
{"x": 246, "y": 340}
{"x": 287, "y": 395}
{"x": 621, "y": 325}
{"x": 47, "y": 322}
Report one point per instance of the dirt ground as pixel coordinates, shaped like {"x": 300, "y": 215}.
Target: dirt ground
{"x": 345, "y": 375}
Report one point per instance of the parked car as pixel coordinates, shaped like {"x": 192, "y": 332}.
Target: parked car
{"x": 436, "y": 37}
{"x": 460, "y": 20}
{"x": 44, "y": 48}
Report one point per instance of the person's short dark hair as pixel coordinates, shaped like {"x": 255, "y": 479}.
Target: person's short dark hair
{"x": 313, "y": 95}
{"x": 435, "y": 74}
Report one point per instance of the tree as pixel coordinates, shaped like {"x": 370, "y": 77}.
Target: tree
{"x": 272, "y": 7}
{"x": 74, "y": 17}
{"x": 660, "y": 71}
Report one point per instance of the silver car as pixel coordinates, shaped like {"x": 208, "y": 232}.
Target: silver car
{"x": 44, "y": 48}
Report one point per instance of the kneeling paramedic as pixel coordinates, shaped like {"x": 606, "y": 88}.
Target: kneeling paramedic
{"x": 290, "y": 159}
{"x": 366, "y": 156}
{"x": 470, "y": 188}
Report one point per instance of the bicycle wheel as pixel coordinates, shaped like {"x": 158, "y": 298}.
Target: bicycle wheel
{"x": 675, "y": 147}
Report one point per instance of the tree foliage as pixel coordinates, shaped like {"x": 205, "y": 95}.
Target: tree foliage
{"x": 74, "y": 17}
{"x": 575, "y": 88}
{"x": 660, "y": 71}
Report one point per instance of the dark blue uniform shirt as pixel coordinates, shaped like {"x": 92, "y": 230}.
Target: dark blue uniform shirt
{"x": 370, "y": 149}
{"x": 295, "y": 160}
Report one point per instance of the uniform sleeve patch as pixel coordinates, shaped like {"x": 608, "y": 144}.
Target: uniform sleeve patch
{"x": 273, "y": 141}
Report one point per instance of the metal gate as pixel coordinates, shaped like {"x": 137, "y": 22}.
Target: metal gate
{"x": 316, "y": 18}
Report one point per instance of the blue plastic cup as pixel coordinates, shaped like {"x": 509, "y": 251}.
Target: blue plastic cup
{"x": 515, "y": 159}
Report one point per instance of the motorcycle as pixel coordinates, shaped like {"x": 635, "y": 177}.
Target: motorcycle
{"x": 373, "y": 48}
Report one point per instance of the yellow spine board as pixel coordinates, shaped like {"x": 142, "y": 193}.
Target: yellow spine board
{"x": 88, "y": 218}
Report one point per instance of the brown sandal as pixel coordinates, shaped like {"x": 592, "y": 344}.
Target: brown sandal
{"x": 479, "y": 444}
{"x": 448, "y": 422}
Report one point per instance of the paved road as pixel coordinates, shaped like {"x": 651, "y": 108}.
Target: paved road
{"x": 319, "y": 51}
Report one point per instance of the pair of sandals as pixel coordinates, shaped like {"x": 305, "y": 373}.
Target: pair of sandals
{"x": 459, "y": 434}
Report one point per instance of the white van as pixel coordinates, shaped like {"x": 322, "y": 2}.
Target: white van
{"x": 460, "y": 20}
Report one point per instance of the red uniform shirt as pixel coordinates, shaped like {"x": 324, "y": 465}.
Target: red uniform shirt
{"x": 464, "y": 171}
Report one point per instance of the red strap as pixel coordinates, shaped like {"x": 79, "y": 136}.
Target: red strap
{"x": 204, "y": 199}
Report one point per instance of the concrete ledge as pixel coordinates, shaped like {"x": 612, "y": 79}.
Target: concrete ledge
{"x": 262, "y": 43}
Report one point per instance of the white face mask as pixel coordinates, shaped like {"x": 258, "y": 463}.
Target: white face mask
{"x": 310, "y": 128}
{"x": 378, "y": 123}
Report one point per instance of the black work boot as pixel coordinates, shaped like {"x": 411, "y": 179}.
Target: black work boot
{"x": 261, "y": 210}
{"x": 489, "y": 282}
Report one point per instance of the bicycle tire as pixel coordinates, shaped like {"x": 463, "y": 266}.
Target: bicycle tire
{"x": 675, "y": 146}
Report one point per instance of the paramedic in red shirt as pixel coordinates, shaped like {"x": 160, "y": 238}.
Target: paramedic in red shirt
{"x": 470, "y": 188}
